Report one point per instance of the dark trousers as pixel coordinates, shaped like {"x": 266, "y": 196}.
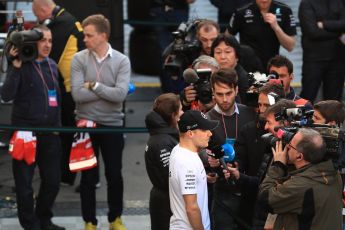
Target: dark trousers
{"x": 329, "y": 73}
{"x": 48, "y": 153}
{"x": 225, "y": 210}
{"x": 67, "y": 119}
{"x": 160, "y": 212}
{"x": 110, "y": 146}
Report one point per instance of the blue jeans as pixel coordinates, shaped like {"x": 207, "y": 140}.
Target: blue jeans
{"x": 111, "y": 146}
{"x": 48, "y": 154}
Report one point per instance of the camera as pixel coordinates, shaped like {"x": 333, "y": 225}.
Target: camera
{"x": 24, "y": 40}
{"x": 333, "y": 137}
{"x": 284, "y": 133}
{"x": 183, "y": 50}
{"x": 257, "y": 80}
{"x": 200, "y": 78}
{"x": 300, "y": 116}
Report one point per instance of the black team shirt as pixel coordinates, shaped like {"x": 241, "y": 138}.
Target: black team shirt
{"x": 254, "y": 32}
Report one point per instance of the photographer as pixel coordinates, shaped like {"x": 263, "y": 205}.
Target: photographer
{"x": 283, "y": 67}
{"x": 311, "y": 195}
{"x": 260, "y": 211}
{"x": 33, "y": 85}
{"x": 190, "y": 99}
{"x": 192, "y": 39}
{"x": 206, "y": 32}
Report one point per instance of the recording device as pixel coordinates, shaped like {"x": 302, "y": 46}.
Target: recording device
{"x": 299, "y": 116}
{"x": 24, "y": 40}
{"x": 184, "y": 49}
{"x": 225, "y": 153}
{"x": 257, "y": 80}
{"x": 333, "y": 137}
{"x": 26, "y": 43}
{"x": 200, "y": 79}
{"x": 283, "y": 133}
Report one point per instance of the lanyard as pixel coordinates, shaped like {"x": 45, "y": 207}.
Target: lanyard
{"x": 39, "y": 71}
{"x": 225, "y": 131}
{"x": 98, "y": 70}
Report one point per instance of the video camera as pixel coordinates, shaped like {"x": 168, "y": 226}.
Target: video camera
{"x": 257, "y": 80}
{"x": 300, "y": 116}
{"x": 333, "y": 137}
{"x": 200, "y": 78}
{"x": 24, "y": 40}
{"x": 183, "y": 50}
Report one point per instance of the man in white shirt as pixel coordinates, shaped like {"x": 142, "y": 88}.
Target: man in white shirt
{"x": 187, "y": 177}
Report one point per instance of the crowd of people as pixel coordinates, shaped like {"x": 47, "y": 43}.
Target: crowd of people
{"x": 283, "y": 172}
{"x": 227, "y": 151}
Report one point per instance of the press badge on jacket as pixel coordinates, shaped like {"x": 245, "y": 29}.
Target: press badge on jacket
{"x": 52, "y": 98}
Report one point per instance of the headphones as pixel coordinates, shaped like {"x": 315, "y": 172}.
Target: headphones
{"x": 56, "y": 12}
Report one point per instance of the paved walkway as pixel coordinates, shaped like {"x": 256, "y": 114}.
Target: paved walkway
{"x": 76, "y": 223}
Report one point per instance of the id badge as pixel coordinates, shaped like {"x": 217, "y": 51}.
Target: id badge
{"x": 52, "y": 98}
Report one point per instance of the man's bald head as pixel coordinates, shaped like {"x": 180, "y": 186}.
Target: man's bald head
{"x": 43, "y": 9}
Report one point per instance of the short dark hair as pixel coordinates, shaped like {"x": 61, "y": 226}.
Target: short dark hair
{"x": 207, "y": 25}
{"x": 331, "y": 110}
{"x": 100, "y": 22}
{"x": 311, "y": 145}
{"x": 273, "y": 88}
{"x": 229, "y": 40}
{"x": 279, "y": 106}
{"x": 167, "y": 105}
{"x": 280, "y": 61}
{"x": 225, "y": 76}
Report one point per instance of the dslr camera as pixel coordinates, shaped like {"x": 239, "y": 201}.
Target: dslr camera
{"x": 183, "y": 50}
{"x": 24, "y": 40}
{"x": 200, "y": 79}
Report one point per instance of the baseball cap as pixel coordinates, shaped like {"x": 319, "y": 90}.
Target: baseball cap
{"x": 193, "y": 119}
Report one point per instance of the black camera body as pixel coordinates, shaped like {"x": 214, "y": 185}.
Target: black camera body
{"x": 333, "y": 136}
{"x": 26, "y": 43}
{"x": 257, "y": 80}
{"x": 183, "y": 50}
{"x": 203, "y": 86}
{"x": 200, "y": 79}
{"x": 24, "y": 40}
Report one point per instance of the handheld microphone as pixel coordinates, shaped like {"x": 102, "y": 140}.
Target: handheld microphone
{"x": 224, "y": 153}
{"x": 190, "y": 76}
